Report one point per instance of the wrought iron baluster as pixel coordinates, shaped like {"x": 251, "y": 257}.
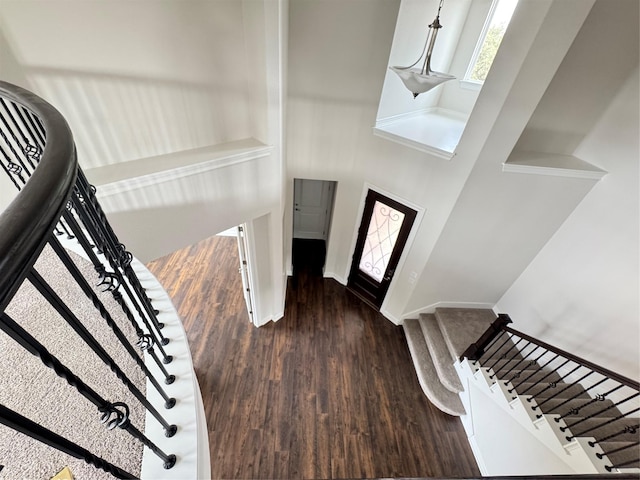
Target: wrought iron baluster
{"x": 497, "y": 350}
{"x": 38, "y": 129}
{"x": 7, "y": 104}
{"x": 122, "y": 258}
{"x": 9, "y": 173}
{"x": 112, "y": 238}
{"x": 608, "y": 422}
{"x": 15, "y": 155}
{"x": 541, "y": 368}
{"x": 504, "y": 355}
{"x": 145, "y": 342}
{"x": 88, "y": 222}
{"x": 598, "y": 413}
{"x": 83, "y": 241}
{"x": 598, "y": 398}
{"x": 86, "y": 288}
{"x": 487, "y": 348}
{"x": 65, "y": 229}
{"x": 13, "y": 169}
{"x": 47, "y": 292}
{"x": 535, "y": 371}
{"x": 29, "y": 343}
{"x": 25, "y": 149}
{"x": 619, "y": 449}
{"x": 611, "y": 468}
{"x": 28, "y": 427}
{"x": 115, "y": 282}
{"x": 554, "y": 384}
{"x": 625, "y": 431}
{"x": 524, "y": 359}
{"x": 524, "y": 392}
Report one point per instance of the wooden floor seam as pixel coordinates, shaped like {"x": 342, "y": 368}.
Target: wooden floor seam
{"x": 329, "y": 391}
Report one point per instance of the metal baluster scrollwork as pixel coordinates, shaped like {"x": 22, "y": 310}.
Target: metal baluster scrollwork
{"x": 47, "y": 292}
{"x": 33, "y": 346}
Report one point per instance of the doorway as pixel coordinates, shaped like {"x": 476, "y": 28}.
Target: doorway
{"x": 383, "y": 233}
{"x": 312, "y": 212}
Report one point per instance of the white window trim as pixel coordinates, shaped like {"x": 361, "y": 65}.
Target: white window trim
{"x": 476, "y": 51}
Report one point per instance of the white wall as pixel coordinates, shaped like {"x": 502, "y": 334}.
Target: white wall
{"x": 409, "y": 39}
{"x": 145, "y": 79}
{"x": 581, "y": 291}
{"x": 500, "y": 221}
{"x": 136, "y": 79}
{"x": 330, "y": 115}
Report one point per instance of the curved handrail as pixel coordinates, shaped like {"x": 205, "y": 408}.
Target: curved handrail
{"x": 26, "y": 223}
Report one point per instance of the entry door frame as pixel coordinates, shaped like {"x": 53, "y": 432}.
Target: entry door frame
{"x": 407, "y": 247}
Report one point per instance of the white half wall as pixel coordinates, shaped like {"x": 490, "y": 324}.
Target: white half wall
{"x": 581, "y": 292}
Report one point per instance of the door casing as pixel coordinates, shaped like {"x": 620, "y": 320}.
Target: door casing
{"x": 412, "y": 220}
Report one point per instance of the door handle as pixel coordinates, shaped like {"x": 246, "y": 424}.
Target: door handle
{"x": 389, "y": 274}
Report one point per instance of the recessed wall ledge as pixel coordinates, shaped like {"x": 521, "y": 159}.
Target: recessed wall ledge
{"x": 125, "y": 176}
{"x": 554, "y": 164}
{"x": 435, "y": 130}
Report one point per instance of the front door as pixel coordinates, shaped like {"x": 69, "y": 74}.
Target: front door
{"x": 383, "y": 232}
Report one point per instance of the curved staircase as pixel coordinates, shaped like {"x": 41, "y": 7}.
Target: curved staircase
{"x": 435, "y": 342}
{"x": 571, "y": 422}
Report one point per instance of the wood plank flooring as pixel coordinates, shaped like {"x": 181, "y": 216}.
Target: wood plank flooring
{"x": 329, "y": 391}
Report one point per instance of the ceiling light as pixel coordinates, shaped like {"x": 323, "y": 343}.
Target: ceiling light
{"x": 422, "y": 80}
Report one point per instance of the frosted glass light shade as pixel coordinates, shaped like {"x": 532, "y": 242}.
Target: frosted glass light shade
{"x": 418, "y": 82}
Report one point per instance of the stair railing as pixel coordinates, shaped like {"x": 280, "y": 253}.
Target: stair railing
{"x": 54, "y": 200}
{"x": 588, "y": 398}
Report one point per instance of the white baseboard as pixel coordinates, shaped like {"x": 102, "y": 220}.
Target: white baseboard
{"x": 338, "y": 278}
{"x": 432, "y": 308}
{"x": 392, "y": 318}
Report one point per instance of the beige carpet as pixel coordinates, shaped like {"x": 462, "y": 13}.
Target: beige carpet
{"x": 32, "y": 389}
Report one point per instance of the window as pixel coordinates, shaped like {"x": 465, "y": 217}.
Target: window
{"x": 496, "y": 24}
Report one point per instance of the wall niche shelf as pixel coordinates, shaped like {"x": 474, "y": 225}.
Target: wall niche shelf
{"x": 554, "y": 164}
{"x": 436, "y": 130}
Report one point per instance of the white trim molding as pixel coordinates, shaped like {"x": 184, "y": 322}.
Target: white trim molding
{"x": 432, "y": 308}
{"x": 558, "y": 165}
{"x": 114, "y": 180}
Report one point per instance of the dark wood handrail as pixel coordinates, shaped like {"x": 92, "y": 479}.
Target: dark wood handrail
{"x": 500, "y": 324}
{"x": 476, "y": 349}
{"x": 574, "y": 358}
{"x": 26, "y": 223}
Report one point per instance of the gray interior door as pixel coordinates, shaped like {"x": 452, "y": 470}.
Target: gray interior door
{"x": 313, "y": 201}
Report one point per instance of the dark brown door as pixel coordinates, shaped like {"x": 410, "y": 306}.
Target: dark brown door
{"x": 382, "y": 235}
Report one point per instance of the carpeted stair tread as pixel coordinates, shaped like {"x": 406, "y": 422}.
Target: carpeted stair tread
{"x": 624, "y": 455}
{"x": 442, "y": 358}
{"x": 519, "y": 370}
{"x": 501, "y": 352}
{"x": 544, "y": 390}
{"x": 598, "y": 428}
{"x": 463, "y": 326}
{"x": 532, "y": 376}
{"x": 435, "y": 391}
{"x": 585, "y": 408}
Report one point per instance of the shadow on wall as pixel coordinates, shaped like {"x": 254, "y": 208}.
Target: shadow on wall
{"x": 150, "y": 233}
{"x": 119, "y": 118}
{"x": 116, "y": 118}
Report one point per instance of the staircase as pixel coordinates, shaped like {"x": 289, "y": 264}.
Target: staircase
{"x": 435, "y": 342}
{"x": 572, "y": 422}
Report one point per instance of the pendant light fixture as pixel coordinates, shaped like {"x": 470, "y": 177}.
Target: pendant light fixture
{"x": 424, "y": 79}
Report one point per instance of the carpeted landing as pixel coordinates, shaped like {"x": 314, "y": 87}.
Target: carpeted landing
{"x": 33, "y": 390}
{"x": 436, "y": 341}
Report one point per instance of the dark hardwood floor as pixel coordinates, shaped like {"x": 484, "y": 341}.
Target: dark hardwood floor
{"x": 329, "y": 391}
